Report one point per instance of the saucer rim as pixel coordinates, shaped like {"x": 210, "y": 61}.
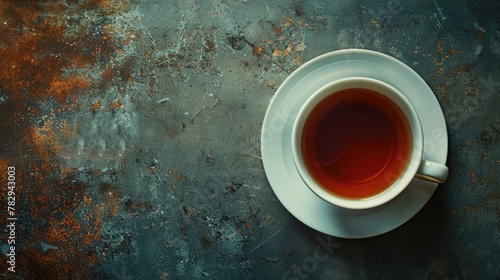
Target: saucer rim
{"x": 345, "y": 56}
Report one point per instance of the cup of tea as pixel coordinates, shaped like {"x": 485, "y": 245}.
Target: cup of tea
{"x": 357, "y": 143}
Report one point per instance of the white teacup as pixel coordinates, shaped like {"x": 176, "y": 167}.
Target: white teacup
{"x": 414, "y": 165}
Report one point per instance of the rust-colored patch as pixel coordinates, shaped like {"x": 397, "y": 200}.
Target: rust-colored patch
{"x": 41, "y": 51}
{"x": 298, "y": 60}
{"x": 277, "y": 52}
{"x": 442, "y": 92}
{"x": 466, "y": 143}
{"x": 153, "y": 169}
{"x": 441, "y": 87}
{"x": 57, "y": 202}
{"x": 474, "y": 176}
{"x": 269, "y": 217}
{"x": 177, "y": 176}
{"x": 96, "y": 106}
{"x": 139, "y": 208}
{"x": 107, "y": 77}
{"x": 248, "y": 223}
{"x": 130, "y": 36}
{"x": 186, "y": 211}
{"x": 259, "y": 50}
{"x": 209, "y": 46}
{"x": 48, "y": 265}
{"x": 278, "y": 30}
{"x": 35, "y": 51}
{"x": 107, "y": 6}
{"x": 110, "y": 197}
{"x": 3, "y": 170}
{"x": 62, "y": 89}
{"x": 445, "y": 61}
{"x": 466, "y": 69}
{"x": 206, "y": 242}
{"x": 116, "y": 105}
{"x": 454, "y": 50}
{"x": 126, "y": 70}
{"x": 288, "y": 49}
{"x": 288, "y": 22}
{"x": 443, "y": 56}
{"x": 190, "y": 212}
{"x": 440, "y": 62}
{"x": 439, "y": 46}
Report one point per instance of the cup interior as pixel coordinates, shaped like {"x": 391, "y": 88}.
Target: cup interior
{"x": 413, "y": 160}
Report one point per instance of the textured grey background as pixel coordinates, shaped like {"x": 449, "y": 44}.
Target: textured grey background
{"x": 183, "y": 151}
{"x": 209, "y": 129}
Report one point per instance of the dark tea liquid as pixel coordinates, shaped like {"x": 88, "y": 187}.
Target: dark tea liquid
{"x": 356, "y": 143}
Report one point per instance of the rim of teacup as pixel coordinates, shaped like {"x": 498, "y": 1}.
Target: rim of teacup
{"x": 415, "y": 156}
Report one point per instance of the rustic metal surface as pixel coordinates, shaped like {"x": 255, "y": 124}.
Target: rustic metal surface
{"x": 134, "y": 129}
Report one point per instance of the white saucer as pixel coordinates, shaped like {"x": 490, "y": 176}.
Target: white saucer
{"x": 276, "y": 143}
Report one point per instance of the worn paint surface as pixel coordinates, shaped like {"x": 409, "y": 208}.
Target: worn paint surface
{"x": 134, "y": 130}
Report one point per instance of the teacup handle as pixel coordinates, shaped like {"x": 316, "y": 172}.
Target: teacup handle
{"x": 432, "y": 172}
